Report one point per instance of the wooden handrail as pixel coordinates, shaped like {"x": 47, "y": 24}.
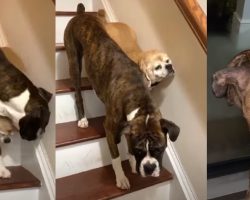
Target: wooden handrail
{"x": 196, "y": 18}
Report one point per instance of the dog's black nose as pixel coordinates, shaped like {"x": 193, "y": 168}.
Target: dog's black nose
{"x": 149, "y": 168}
{"x": 169, "y": 67}
{"x": 6, "y": 140}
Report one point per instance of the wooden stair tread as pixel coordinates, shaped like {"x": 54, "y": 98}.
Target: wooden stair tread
{"x": 69, "y": 133}
{"x": 60, "y": 47}
{"x": 71, "y": 13}
{"x": 65, "y": 85}
{"x": 20, "y": 178}
{"x": 99, "y": 184}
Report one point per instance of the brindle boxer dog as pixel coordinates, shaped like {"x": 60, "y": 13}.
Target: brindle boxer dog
{"x": 118, "y": 82}
{"x": 233, "y": 83}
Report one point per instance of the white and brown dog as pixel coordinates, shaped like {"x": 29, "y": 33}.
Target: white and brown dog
{"x": 156, "y": 65}
{"x": 23, "y": 106}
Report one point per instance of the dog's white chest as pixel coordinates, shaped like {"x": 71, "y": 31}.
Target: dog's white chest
{"x": 14, "y": 108}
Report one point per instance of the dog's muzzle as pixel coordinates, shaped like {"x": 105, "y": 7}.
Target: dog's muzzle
{"x": 149, "y": 168}
{"x": 5, "y": 139}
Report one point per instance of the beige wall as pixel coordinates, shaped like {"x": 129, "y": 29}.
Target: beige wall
{"x": 161, "y": 25}
{"x": 29, "y": 30}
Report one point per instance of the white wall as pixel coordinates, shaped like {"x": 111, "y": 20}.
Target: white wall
{"x": 203, "y": 5}
{"x": 161, "y": 25}
{"x": 29, "y": 30}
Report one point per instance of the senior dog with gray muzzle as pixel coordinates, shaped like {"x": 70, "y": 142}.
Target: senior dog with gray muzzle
{"x": 23, "y": 106}
{"x": 118, "y": 82}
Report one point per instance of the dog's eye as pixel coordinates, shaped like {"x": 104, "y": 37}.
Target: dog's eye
{"x": 138, "y": 151}
{"x": 167, "y": 61}
{"x": 156, "y": 151}
{"x": 158, "y": 67}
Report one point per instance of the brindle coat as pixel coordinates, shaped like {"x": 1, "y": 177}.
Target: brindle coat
{"x": 233, "y": 83}
{"x": 116, "y": 79}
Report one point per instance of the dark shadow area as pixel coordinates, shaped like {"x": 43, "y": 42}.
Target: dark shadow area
{"x": 228, "y": 145}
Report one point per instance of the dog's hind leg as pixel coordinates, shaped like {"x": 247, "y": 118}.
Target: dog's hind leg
{"x": 4, "y": 172}
{"x": 74, "y": 53}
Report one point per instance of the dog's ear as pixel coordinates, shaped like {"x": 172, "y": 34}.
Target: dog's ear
{"x": 45, "y": 94}
{"x": 171, "y": 128}
{"x": 219, "y": 84}
{"x": 45, "y": 114}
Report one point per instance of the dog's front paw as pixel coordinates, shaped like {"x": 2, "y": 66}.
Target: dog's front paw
{"x": 132, "y": 163}
{"x": 83, "y": 123}
{"x": 4, "y": 172}
{"x": 122, "y": 182}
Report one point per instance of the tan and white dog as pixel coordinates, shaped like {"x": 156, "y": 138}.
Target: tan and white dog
{"x": 155, "y": 64}
{"x": 6, "y": 129}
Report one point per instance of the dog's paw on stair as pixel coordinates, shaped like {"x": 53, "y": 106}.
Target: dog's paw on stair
{"x": 83, "y": 123}
{"x": 4, "y": 172}
{"x": 122, "y": 182}
{"x": 132, "y": 163}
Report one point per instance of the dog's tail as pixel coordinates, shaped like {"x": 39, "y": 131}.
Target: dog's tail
{"x": 80, "y": 9}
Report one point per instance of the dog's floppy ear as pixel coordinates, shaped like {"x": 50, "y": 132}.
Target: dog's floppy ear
{"x": 45, "y": 114}
{"x": 171, "y": 128}
{"x": 45, "y": 94}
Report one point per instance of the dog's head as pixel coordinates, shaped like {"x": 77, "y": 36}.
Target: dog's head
{"x": 219, "y": 84}
{"x": 37, "y": 116}
{"x": 156, "y": 65}
{"x": 149, "y": 140}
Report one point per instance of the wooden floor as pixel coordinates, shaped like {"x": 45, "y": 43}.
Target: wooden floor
{"x": 99, "y": 184}
{"x": 65, "y": 85}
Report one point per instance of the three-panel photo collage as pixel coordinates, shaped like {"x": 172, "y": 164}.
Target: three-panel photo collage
{"x": 125, "y": 99}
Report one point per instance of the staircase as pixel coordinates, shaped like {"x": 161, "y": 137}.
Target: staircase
{"x": 22, "y": 184}
{"x": 83, "y": 169}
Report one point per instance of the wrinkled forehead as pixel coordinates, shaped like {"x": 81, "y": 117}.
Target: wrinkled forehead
{"x": 152, "y": 140}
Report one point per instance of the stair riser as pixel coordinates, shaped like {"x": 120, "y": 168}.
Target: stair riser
{"x": 82, "y": 157}
{"x": 62, "y": 66}
{"x": 229, "y": 184}
{"x": 159, "y": 192}
{"x": 12, "y": 152}
{"x": 32, "y": 194}
{"x": 66, "y": 110}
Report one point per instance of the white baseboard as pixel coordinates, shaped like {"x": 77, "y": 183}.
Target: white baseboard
{"x": 46, "y": 169}
{"x": 181, "y": 174}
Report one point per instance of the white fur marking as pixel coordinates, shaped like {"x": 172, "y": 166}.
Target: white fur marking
{"x": 131, "y": 115}
{"x": 132, "y": 163}
{"x": 121, "y": 180}
{"x": 14, "y": 108}
{"x": 4, "y": 172}
{"x": 147, "y": 117}
{"x": 83, "y": 123}
{"x": 151, "y": 160}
